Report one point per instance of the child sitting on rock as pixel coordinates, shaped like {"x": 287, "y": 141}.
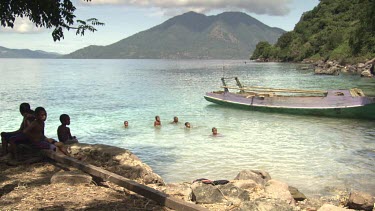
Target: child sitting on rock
{"x": 5, "y": 136}
{"x": 63, "y": 132}
{"x": 35, "y": 133}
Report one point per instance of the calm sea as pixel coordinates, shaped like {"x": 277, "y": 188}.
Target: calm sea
{"x": 315, "y": 154}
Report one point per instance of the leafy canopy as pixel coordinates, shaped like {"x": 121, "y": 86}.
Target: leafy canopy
{"x": 57, "y": 14}
{"x": 335, "y": 29}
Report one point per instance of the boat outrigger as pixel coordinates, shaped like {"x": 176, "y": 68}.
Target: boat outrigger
{"x": 333, "y": 103}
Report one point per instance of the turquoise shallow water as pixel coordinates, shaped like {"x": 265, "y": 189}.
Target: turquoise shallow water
{"x": 315, "y": 154}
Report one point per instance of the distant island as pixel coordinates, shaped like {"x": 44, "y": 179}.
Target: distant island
{"x": 26, "y": 53}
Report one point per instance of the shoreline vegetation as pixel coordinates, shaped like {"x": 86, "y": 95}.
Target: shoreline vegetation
{"x": 336, "y": 36}
{"x": 34, "y": 182}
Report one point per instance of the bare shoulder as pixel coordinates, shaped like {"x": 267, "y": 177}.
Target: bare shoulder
{"x": 33, "y": 124}
{"x": 62, "y": 128}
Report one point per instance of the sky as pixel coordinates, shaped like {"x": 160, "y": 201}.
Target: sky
{"x": 124, "y": 18}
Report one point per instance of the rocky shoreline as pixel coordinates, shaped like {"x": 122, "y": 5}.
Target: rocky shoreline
{"x": 249, "y": 190}
{"x": 334, "y": 68}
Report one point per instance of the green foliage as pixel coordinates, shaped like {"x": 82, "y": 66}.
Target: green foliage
{"x": 57, "y": 14}
{"x": 362, "y": 39}
{"x": 85, "y": 26}
{"x": 341, "y": 52}
{"x": 335, "y": 29}
{"x": 285, "y": 40}
{"x": 262, "y": 50}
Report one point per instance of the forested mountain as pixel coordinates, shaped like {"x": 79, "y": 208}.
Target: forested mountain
{"x": 342, "y": 30}
{"x": 230, "y": 35}
{"x": 25, "y": 53}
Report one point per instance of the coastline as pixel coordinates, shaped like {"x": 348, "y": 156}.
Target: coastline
{"x": 333, "y": 67}
{"x": 29, "y": 189}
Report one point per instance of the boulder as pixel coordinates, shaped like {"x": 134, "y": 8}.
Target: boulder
{"x": 330, "y": 207}
{"x": 116, "y": 160}
{"x": 296, "y": 194}
{"x": 260, "y": 177}
{"x": 361, "y": 201}
{"x": 351, "y": 69}
{"x": 245, "y": 184}
{"x": 279, "y": 190}
{"x": 320, "y": 63}
{"x": 325, "y": 71}
{"x": 178, "y": 190}
{"x": 366, "y": 73}
{"x": 265, "y": 204}
{"x": 361, "y": 65}
{"x": 211, "y": 194}
{"x": 71, "y": 177}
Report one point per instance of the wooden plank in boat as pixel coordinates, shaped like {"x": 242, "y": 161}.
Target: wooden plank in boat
{"x": 264, "y": 89}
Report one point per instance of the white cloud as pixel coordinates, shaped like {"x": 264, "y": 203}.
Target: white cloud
{"x": 261, "y": 7}
{"x": 23, "y": 26}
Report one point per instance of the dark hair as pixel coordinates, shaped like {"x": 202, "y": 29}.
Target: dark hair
{"x": 186, "y": 123}
{"x": 39, "y": 109}
{"x": 31, "y": 115}
{"x": 30, "y": 112}
{"x": 24, "y": 107}
{"x": 63, "y": 118}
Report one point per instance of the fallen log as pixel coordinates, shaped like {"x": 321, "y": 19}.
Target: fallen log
{"x": 160, "y": 197}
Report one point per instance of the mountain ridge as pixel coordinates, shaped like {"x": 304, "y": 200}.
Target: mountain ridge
{"x": 26, "y": 53}
{"x": 229, "y": 35}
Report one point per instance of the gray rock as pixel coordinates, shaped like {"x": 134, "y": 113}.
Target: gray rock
{"x": 245, "y": 184}
{"x": 260, "y": 177}
{"x": 330, "y": 207}
{"x": 71, "y": 177}
{"x": 319, "y": 70}
{"x": 279, "y": 190}
{"x": 264, "y": 204}
{"x": 366, "y": 73}
{"x": 334, "y": 70}
{"x": 206, "y": 194}
{"x": 361, "y": 201}
{"x": 211, "y": 194}
{"x": 361, "y": 65}
{"x": 177, "y": 189}
{"x": 352, "y": 69}
{"x": 296, "y": 194}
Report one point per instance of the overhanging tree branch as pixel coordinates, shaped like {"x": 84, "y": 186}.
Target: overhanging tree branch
{"x": 57, "y": 14}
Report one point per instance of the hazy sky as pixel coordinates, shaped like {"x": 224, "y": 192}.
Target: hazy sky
{"x": 124, "y": 18}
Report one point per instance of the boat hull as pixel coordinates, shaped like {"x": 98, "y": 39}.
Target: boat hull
{"x": 330, "y": 106}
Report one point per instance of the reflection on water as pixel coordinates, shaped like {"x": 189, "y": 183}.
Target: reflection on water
{"x": 315, "y": 154}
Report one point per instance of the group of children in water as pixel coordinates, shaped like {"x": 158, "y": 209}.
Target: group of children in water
{"x": 31, "y": 132}
{"x": 157, "y": 123}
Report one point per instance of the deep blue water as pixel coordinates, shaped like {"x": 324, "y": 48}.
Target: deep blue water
{"x": 314, "y": 154}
